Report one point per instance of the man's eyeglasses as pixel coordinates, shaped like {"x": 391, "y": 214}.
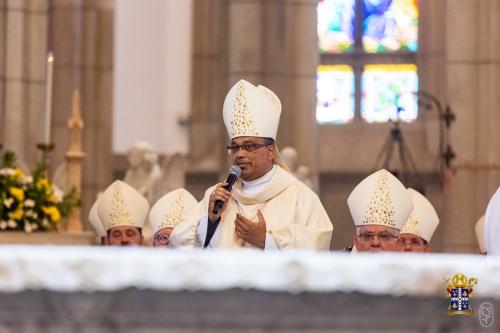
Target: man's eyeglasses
{"x": 162, "y": 239}
{"x": 384, "y": 237}
{"x": 248, "y": 147}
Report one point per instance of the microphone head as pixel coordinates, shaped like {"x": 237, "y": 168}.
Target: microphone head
{"x": 236, "y": 170}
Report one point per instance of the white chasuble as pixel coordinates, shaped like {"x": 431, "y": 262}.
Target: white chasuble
{"x": 295, "y": 217}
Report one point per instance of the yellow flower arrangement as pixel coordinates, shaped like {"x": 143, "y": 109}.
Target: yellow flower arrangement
{"x": 18, "y": 214}
{"x": 43, "y": 184}
{"x": 52, "y": 198}
{"x": 52, "y": 212}
{"x": 18, "y": 172}
{"x": 31, "y": 203}
{"x": 17, "y": 193}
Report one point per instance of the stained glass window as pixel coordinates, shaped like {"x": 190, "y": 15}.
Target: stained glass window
{"x": 336, "y": 25}
{"x": 368, "y": 61}
{"x": 390, "y": 25}
{"x": 335, "y": 94}
{"x": 388, "y": 93}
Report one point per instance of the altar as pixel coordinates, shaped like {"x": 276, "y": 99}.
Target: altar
{"x": 48, "y": 238}
{"x": 95, "y": 289}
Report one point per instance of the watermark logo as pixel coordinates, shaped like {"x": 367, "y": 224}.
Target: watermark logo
{"x": 460, "y": 293}
{"x": 486, "y": 314}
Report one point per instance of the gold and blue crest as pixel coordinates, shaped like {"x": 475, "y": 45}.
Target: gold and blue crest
{"x": 460, "y": 293}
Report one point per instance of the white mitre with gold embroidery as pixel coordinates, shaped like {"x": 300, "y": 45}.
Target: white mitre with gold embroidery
{"x": 423, "y": 220}
{"x": 121, "y": 205}
{"x": 169, "y": 210}
{"x": 380, "y": 199}
{"x": 479, "y": 229}
{"x": 95, "y": 221}
{"x": 253, "y": 111}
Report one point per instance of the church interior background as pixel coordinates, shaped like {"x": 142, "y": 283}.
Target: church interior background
{"x": 157, "y": 71}
{"x": 195, "y": 50}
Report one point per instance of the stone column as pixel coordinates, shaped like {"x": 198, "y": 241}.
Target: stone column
{"x": 488, "y": 100}
{"x": 245, "y": 48}
{"x": 472, "y": 75}
{"x": 22, "y": 76}
{"x": 302, "y": 53}
{"x": 432, "y": 79}
{"x": 274, "y": 43}
{"x": 245, "y": 42}
{"x": 207, "y": 135}
{"x": 14, "y": 73}
{"x": 81, "y": 37}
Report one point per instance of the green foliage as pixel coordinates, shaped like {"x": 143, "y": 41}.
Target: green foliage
{"x": 9, "y": 160}
{"x": 70, "y": 201}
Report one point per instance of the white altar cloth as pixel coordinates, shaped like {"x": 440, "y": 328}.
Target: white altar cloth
{"x": 74, "y": 269}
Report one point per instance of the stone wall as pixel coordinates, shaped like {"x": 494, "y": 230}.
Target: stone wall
{"x": 141, "y": 311}
{"x": 80, "y": 34}
{"x": 23, "y": 56}
{"x": 273, "y": 43}
{"x": 81, "y": 37}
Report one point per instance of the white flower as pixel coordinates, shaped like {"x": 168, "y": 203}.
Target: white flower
{"x": 45, "y": 222}
{"x": 3, "y": 225}
{"x": 12, "y": 224}
{"x": 27, "y": 227}
{"x": 58, "y": 193}
{"x": 26, "y": 179}
{"x": 34, "y": 226}
{"x": 7, "y": 172}
{"x": 8, "y": 202}
{"x": 35, "y": 215}
{"x": 29, "y": 203}
{"x": 29, "y": 213}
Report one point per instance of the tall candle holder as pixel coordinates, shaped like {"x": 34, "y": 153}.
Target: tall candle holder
{"x": 46, "y": 155}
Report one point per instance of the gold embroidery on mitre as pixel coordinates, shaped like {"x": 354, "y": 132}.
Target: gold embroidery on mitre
{"x": 380, "y": 209}
{"x": 242, "y": 123}
{"x": 174, "y": 213}
{"x": 119, "y": 213}
{"x": 412, "y": 225}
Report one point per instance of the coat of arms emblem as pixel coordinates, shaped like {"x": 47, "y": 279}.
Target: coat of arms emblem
{"x": 460, "y": 292}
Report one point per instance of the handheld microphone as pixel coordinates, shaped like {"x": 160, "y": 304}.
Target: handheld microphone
{"x": 234, "y": 174}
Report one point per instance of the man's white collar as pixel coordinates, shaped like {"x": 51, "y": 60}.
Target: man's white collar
{"x": 255, "y": 186}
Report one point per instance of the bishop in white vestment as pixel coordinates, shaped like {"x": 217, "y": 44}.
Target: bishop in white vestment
{"x": 492, "y": 225}
{"x": 380, "y": 206}
{"x": 167, "y": 212}
{"x": 268, "y": 207}
{"x": 420, "y": 226}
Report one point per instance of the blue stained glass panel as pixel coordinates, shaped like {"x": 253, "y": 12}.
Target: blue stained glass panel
{"x": 336, "y": 25}
{"x": 390, "y": 25}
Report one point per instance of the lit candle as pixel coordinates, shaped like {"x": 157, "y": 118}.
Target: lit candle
{"x": 48, "y": 96}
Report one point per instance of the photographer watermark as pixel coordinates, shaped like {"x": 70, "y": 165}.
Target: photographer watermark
{"x": 486, "y": 314}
